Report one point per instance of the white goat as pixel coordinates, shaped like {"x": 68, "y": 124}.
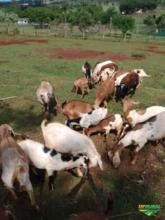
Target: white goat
{"x": 151, "y": 130}
{"x": 66, "y": 140}
{"x": 89, "y": 119}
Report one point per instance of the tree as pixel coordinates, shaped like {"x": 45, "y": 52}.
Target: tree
{"x": 82, "y": 18}
{"x": 9, "y": 17}
{"x": 160, "y": 21}
{"x": 109, "y": 13}
{"x": 124, "y": 23}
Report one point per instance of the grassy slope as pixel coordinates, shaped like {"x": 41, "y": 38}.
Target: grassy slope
{"x": 21, "y": 76}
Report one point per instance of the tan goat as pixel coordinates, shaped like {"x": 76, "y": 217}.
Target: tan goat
{"x": 105, "y": 91}
{"x": 72, "y": 109}
{"x": 81, "y": 86}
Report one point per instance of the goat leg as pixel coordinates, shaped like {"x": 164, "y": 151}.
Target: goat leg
{"x": 51, "y": 181}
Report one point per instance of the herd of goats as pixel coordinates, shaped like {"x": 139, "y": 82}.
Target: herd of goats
{"x": 65, "y": 148}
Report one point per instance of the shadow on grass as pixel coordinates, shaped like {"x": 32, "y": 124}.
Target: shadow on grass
{"x": 20, "y": 119}
{"x": 129, "y": 193}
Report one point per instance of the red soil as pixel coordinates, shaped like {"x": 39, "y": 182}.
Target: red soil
{"x": 22, "y": 41}
{"x": 72, "y": 54}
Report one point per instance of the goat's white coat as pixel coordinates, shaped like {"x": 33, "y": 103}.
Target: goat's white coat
{"x": 94, "y": 118}
{"x": 150, "y": 112}
{"x": 117, "y": 124}
{"x": 43, "y": 160}
{"x": 99, "y": 66}
{"x": 119, "y": 78}
{"x": 66, "y": 140}
{"x": 150, "y": 131}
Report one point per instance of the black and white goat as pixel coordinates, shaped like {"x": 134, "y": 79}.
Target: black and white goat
{"x": 43, "y": 157}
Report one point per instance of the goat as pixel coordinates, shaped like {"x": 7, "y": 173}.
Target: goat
{"x": 65, "y": 140}
{"x": 15, "y": 166}
{"x": 112, "y": 122}
{"x": 87, "y": 70}
{"x": 151, "y": 130}
{"x": 43, "y": 157}
{"x": 126, "y": 84}
{"x": 46, "y": 98}
{"x": 134, "y": 117}
{"x": 105, "y": 91}
{"x": 88, "y": 119}
{"x": 72, "y": 109}
{"x": 100, "y": 66}
{"x": 82, "y": 86}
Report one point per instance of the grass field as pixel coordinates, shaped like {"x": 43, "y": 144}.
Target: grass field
{"x": 24, "y": 66}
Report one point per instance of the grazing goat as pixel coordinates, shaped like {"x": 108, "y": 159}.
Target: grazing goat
{"x": 127, "y": 81}
{"x": 15, "y": 166}
{"x": 65, "y": 140}
{"x": 46, "y": 98}
{"x": 43, "y": 157}
{"x": 88, "y": 119}
{"x": 81, "y": 86}
{"x": 112, "y": 122}
{"x": 133, "y": 116}
{"x": 126, "y": 84}
{"x": 72, "y": 109}
{"x": 99, "y": 73}
{"x": 105, "y": 91}
{"x": 151, "y": 130}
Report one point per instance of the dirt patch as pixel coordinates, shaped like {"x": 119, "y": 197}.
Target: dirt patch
{"x": 22, "y": 41}
{"x": 72, "y": 54}
{"x": 152, "y": 49}
{"x": 3, "y": 61}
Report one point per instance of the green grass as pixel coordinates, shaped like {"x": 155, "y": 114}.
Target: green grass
{"x": 21, "y": 75}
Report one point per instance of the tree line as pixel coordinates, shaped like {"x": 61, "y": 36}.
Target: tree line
{"x": 85, "y": 15}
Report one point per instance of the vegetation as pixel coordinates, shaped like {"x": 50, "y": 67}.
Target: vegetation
{"x": 21, "y": 72}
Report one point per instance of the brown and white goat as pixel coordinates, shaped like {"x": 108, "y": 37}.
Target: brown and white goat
{"x": 105, "y": 91}
{"x": 126, "y": 84}
{"x": 135, "y": 116}
{"x": 150, "y": 130}
{"x": 15, "y": 166}
{"x": 45, "y": 96}
{"x": 112, "y": 122}
{"x": 72, "y": 109}
{"x": 81, "y": 86}
{"x": 99, "y": 74}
